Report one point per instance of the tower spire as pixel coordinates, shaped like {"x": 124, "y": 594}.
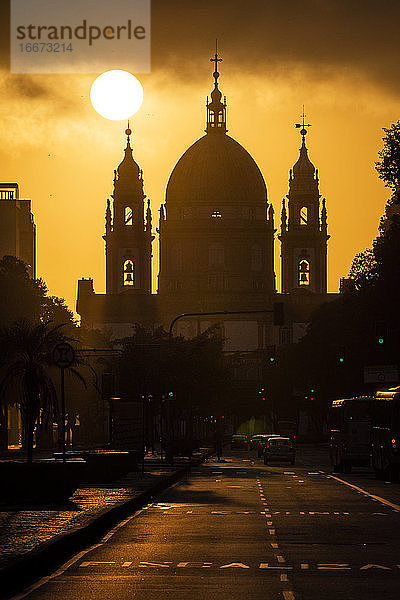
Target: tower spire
{"x": 216, "y": 109}
{"x": 303, "y": 125}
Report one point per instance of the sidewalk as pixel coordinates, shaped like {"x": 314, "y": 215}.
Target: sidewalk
{"x": 35, "y": 539}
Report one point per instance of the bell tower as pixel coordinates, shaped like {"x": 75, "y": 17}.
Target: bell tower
{"x": 128, "y": 234}
{"x": 304, "y": 227}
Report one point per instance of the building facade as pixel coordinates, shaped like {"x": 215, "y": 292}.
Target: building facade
{"x": 216, "y": 233}
{"x": 17, "y": 227}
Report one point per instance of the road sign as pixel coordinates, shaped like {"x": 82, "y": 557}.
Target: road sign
{"x": 381, "y": 374}
{"x": 63, "y": 355}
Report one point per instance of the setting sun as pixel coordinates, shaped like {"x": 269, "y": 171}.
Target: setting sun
{"x": 116, "y": 95}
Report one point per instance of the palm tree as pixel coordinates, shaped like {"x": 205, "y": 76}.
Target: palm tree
{"x": 25, "y": 359}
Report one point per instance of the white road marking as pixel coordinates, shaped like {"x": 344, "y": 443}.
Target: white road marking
{"x": 333, "y": 567}
{"x": 284, "y": 577}
{"x": 274, "y": 567}
{"x": 121, "y": 524}
{"x": 96, "y": 563}
{"x": 280, "y": 559}
{"x": 236, "y": 566}
{"x": 271, "y": 531}
{"x": 378, "y": 498}
{"x": 274, "y": 545}
{"x": 127, "y": 563}
{"x": 145, "y": 563}
{"x": 269, "y": 523}
{"x": 288, "y": 595}
{"x": 374, "y": 567}
{"x": 304, "y": 566}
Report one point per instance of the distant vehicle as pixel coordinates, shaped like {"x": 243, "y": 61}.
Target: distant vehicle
{"x": 259, "y": 441}
{"x": 279, "y": 448}
{"x": 350, "y": 422}
{"x": 385, "y": 435}
{"x": 240, "y": 440}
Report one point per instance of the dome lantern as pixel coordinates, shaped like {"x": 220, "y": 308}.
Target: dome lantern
{"x": 216, "y": 109}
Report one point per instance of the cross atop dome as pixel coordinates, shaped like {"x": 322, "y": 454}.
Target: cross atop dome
{"x": 216, "y": 60}
{"x": 216, "y": 109}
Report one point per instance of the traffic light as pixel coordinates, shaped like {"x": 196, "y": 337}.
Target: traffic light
{"x": 261, "y": 394}
{"x": 380, "y": 333}
{"x": 271, "y": 354}
{"x": 279, "y": 316}
{"x": 170, "y": 394}
{"x": 341, "y": 354}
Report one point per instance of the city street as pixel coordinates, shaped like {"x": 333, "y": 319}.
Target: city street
{"x": 240, "y": 530}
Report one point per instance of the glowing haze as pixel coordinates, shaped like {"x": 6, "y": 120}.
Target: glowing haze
{"x": 275, "y": 60}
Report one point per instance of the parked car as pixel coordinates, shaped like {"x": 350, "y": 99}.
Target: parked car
{"x": 240, "y": 440}
{"x": 279, "y": 448}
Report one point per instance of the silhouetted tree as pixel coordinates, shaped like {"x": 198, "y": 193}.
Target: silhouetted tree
{"x": 363, "y": 269}
{"x": 22, "y": 297}
{"x": 389, "y": 166}
{"x": 25, "y": 361}
{"x": 194, "y": 369}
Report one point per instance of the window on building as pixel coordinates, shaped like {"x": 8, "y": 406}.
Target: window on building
{"x": 128, "y": 216}
{"x": 256, "y": 258}
{"x": 177, "y": 257}
{"x": 303, "y": 215}
{"x": 285, "y": 335}
{"x": 216, "y": 255}
{"x": 129, "y": 273}
{"x": 304, "y": 272}
{"x": 217, "y": 281}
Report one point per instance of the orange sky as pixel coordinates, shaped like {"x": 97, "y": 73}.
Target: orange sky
{"x": 63, "y": 154}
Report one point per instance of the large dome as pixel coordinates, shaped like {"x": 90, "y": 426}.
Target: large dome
{"x": 216, "y": 168}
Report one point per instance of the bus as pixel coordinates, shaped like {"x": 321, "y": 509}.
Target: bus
{"x": 350, "y": 423}
{"x": 385, "y": 437}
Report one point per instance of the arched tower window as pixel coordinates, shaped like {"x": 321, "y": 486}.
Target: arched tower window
{"x": 304, "y": 215}
{"x": 304, "y": 272}
{"x": 129, "y": 273}
{"x": 128, "y": 215}
{"x": 216, "y": 255}
{"x": 256, "y": 258}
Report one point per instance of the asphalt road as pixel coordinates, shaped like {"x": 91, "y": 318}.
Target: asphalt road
{"x": 241, "y": 530}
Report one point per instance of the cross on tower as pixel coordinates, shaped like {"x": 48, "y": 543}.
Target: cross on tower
{"x": 303, "y": 125}
{"x": 216, "y": 60}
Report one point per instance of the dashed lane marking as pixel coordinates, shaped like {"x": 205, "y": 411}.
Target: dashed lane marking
{"x": 362, "y": 491}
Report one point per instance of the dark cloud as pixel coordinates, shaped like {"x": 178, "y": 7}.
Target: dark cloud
{"x": 270, "y": 35}
{"x": 27, "y": 86}
{"x": 267, "y": 36}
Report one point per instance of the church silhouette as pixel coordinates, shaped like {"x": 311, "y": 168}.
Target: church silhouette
{"x": 216, "y": 233}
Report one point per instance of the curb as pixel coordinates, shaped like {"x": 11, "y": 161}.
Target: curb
{"x": 43, "y": 560}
